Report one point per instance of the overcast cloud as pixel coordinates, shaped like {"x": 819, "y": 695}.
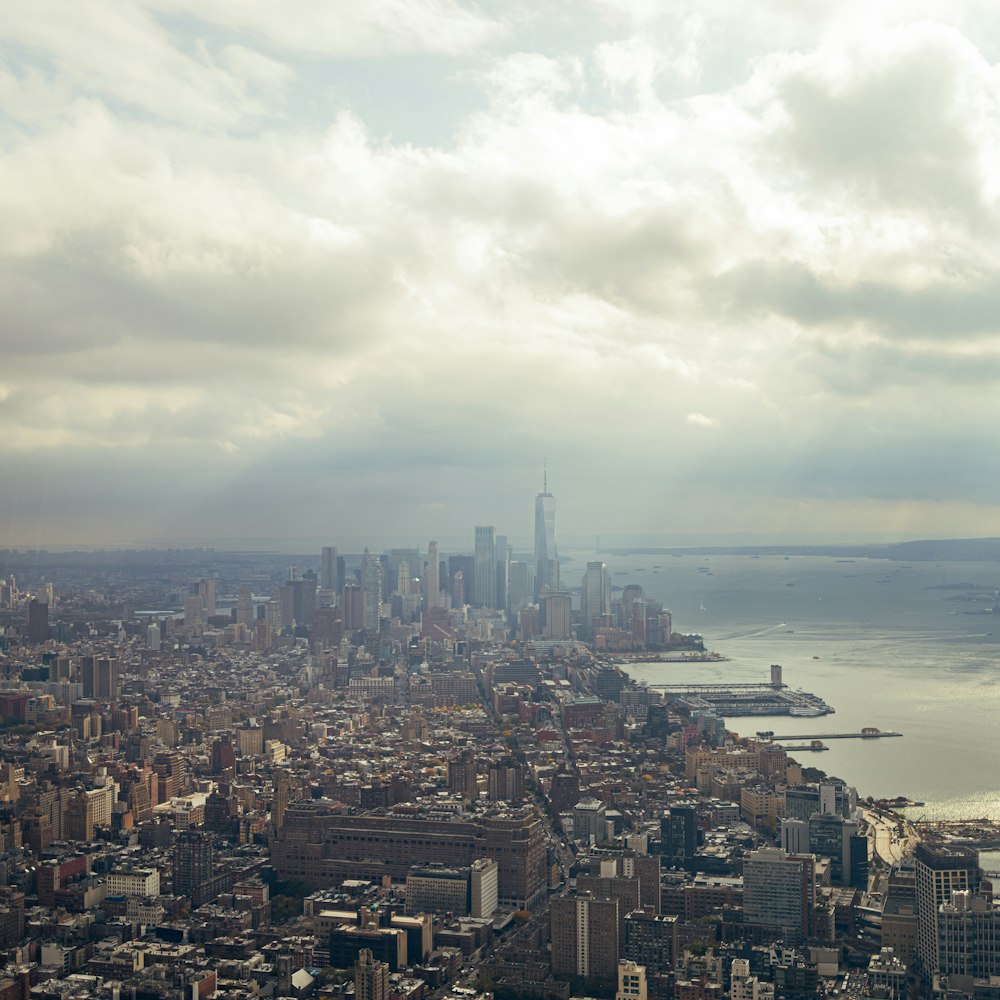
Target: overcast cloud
{"x": 346, "y": 271}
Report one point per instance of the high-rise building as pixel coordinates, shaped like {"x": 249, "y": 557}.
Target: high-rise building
{"x": 595, "y": 594}
{"x": 836, "y": 838}
{"x": 546, "y": 560}
{"x": 502, "y": 562}
{"x": 328, "y": 568}
{"x": 518, "y": 594}
{"x": 940, "y": 870}
{"x": 484, "y": 884}
{"x": 101, "y": 677}
{"x": 193, "y": 861}
{"x": 38, "y": 622}
{"x": 244, "y": 607}
{"x": 485, "y": 594}
{"x": 584, "y": 936}
{"x": 678, "y": 834}
{"x": 371, "y": 977}
{"x": 371, "y": 581}
{"x": 969, "y": 936}
{"x": 557, "y": 614}
{"x": 206, "y": 591}
{"x": 354, "y": 607}
{"x": 779, "y": 891}
{"x": 432, "y": 577}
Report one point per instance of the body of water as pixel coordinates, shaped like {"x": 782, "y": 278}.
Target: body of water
{"x": 900, "y": 646}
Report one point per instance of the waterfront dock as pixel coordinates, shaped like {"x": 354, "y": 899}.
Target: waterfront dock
{"x": 865, "y": 734}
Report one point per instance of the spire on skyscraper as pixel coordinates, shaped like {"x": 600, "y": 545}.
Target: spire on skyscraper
{"x": 546, "y": 560}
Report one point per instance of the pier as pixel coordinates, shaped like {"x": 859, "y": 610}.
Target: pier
{"x": 865, "y": 734}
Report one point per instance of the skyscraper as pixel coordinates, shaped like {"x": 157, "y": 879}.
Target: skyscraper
{"x": 595, "y": 594}
{"x": 485, "y": 567}
{"x": 546, "y": 561}
{"x": 205, "y": 588}
{"x": 779, "y": 890}
{"x": 432, "y": 576}
{"x": 328, "y": 568}
{"x": 371, "y": 581}
{"x": 244, "y": 607}
{"x": 193, "y": 861}
{"x": 38, "y": 622}
{"x": 371, "y": 977}
{"x": 940, "y": 870}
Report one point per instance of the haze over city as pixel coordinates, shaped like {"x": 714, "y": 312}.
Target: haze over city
{"x": 728, "y": 269}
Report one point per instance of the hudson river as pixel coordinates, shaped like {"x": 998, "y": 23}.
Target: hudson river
{"x": 901, "y": 646}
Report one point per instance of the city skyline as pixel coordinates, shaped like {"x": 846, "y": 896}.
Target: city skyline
{"x": 728, "y": 270}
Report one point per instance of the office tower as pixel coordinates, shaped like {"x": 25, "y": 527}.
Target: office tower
{"x": 371, "y": 978}
{"x": 502, "y": 556}
{"x": 432, "y": 577}
{"x": 484, "y": 885}
{"x": 371, "y": 582}
{"x": 969, "y": 936}
{"x": 192, "y": 861}
{"x": 194, "y": 612}
{"x": 678, "y": 834}
{"x": 518, "y": 592}
{"x": 779, "y": 891}
{"x": 546, "y": 560}
{"x": 595, "y": 594}
{"x": 940, "y": 870}
{"x": 297, "y": 601}
{"x": 795, "y": 836}
{"x": 801, "y": 801}
{"x": 107, "y": 678}
{"x": 38, "y": 622}
{"x": 404, "y": 580}
{"x": 244, "y": 607}
{"x": 354, "y": 607}
{"x": 557, "y": 614}
{"x": 584, "y": 936}
{"x": 205, "y": 588}
{"x": 328, "y": 568}
{"x": 101, "y": 677}
{"x": 589, "y": 821}
{"x": 485, "y": 582}
{"x": 831, "y": 836}
{"x": 279, "y": 801}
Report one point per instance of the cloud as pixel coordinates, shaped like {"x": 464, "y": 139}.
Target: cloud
{"x": 700, "y": 420}
{"x": 340, "y": 28}
{"x": 631, "y": 240}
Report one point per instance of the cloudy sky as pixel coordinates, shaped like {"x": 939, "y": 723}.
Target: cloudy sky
{"x": 337, "y": 270}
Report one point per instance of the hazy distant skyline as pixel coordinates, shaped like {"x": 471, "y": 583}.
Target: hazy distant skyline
{"x": 354, "y": 271}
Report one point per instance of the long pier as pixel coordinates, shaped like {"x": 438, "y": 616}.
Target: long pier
{"x": 876, "y": 735}
{"x": 716, "y": 687}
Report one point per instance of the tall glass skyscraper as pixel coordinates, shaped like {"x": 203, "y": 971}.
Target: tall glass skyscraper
{"x": 546, "y": 564}
{"x": 485, "y": 567}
